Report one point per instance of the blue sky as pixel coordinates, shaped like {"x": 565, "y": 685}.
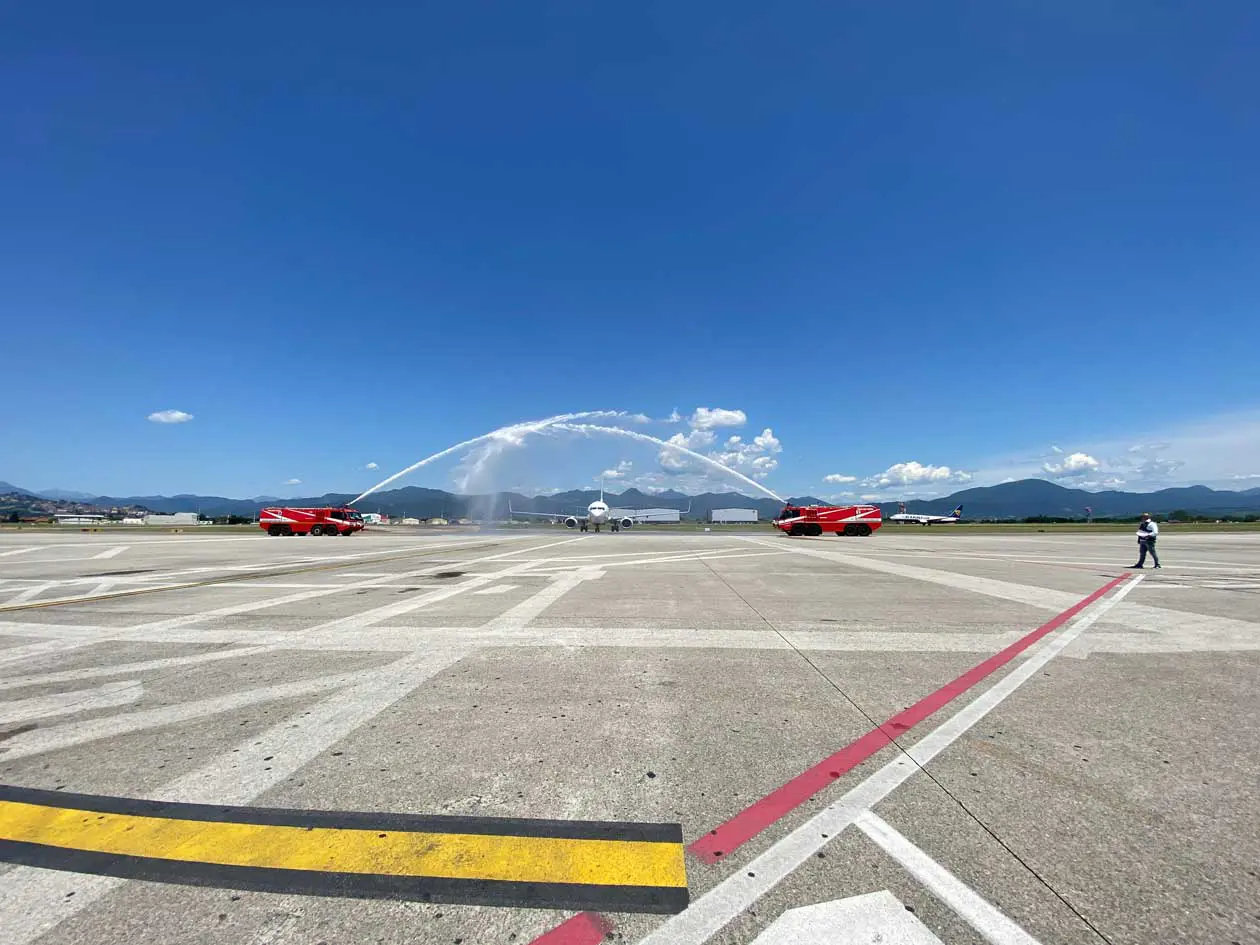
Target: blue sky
{"x": 902, "y": 237}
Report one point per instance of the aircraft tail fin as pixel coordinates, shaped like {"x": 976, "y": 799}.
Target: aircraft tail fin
{"x": 957, "y": 513}
{"x": 901, "y": 507}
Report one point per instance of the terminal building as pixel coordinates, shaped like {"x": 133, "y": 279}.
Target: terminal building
{"x": 733, "y": 516}
{"x": 176, "y": 518}
{"x": 79, "y": 518}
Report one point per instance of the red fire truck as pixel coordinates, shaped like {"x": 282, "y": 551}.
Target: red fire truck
{"x": 815, "y": 519}
{"x": 328, "y": 521}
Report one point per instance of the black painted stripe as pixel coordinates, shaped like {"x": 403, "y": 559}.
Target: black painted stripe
{"x": 649, "y": 899}
{"x": 297, "y": 817}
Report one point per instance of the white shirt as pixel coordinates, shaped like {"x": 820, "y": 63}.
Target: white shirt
{"x": 1148, "y": 529}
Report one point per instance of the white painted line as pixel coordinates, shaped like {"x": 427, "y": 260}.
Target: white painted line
{"x": 18, "y": 551}
{"x": 112, "y": 552}
{"x": 498, "y": 589}
{"x": 877, "y": 918}
{"x": 36, "y": 900}
{"x": 30, "y": 593}
{"x": 251, "y": 606}
{"x": 515, "y": 618}
{"x": 69, "y": 734}
{"x": 696, "y": 556}
{"x": 994, "y": 927}
{"x": 1177, "y": 626}
{"x": 95, "y": 672}
{"x": 15, "y": 654}
{"x": 1047, "y": 598}
{"x": 707, "y": 915}
{"x": 107, "y": 696}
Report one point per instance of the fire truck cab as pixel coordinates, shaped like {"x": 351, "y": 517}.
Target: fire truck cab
{"x": 851, "y": 520}
{"x": 326, "y": 521}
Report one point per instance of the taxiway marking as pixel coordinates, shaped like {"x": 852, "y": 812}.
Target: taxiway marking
{"x": 755, "y": 818}
{"x": 994, "y": 927}
{"x": 626, "y": 867}
{"x": 107, "y": 696}
{"x": 707, "y": 915}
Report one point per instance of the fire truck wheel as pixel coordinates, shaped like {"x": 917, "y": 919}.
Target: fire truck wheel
{"x": 332, "y": 530}
{"x": 864, "y": 531}
{"x": 275, "y": 530}
{"x": 317, "y": 530}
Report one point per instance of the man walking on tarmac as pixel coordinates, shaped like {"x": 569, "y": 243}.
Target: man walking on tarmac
{"x": 1147, "y": 532}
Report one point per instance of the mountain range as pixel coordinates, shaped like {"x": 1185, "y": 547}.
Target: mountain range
{"x": 1009, "y": 500}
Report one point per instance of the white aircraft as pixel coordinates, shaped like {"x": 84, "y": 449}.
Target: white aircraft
{"x": 912, "y": 518}
{"x": 597, "y": 513}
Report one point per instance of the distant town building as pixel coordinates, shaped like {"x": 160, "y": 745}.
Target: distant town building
{"x": 79, "y": 518}
{"x": 410, "y": 521}
{"x": 438, "y": 521}
{"x": 732, "y": 516}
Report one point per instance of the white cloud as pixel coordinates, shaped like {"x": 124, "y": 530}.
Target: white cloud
{"x": 868, "y": 497}
{"x": 695, "y": 440}
{"x": 293, "y": 482}
{"x": 638, "y": 418}
{"x": 674, "y": 417}
{"x": 904, "y": 474}
{"x": 620, "y": 471}
{"x": 839, "y": 478}
{"x": 370, "y": 466}
{"x": 1073, "y": 466}
{"x": 1157, "y": 468}
{"x": 1055, "y": 449}
{"x": 169, "y": 416}
{"x": 706, "y": 418}
{"x": 754, "y": 459}
{"x": 1246, "y": 476}
{"x": 763, "y": 466}
{"x": 768, "y": 442}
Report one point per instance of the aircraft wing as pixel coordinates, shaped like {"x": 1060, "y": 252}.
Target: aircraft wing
{"x": 554, "y": 516}
{"x": 639, "y": 516}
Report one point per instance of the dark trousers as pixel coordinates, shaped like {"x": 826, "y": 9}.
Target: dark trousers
{"x": 1145, "y": 545}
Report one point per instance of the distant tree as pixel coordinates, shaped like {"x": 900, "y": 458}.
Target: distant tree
{"x": 14, "y": 518}
{"x": 1180, "y": 515}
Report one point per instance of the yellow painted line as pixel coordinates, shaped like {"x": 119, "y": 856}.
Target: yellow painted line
{"x": 348, "y": 850}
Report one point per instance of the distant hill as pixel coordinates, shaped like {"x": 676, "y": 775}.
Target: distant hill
{"x": 67, "y": 494}
{"x": 1028, "y": 497}
{"x": 1010, "y": 500}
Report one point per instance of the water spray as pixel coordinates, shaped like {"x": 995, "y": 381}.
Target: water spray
{"x": 513, "y": 433}
{"x": 588, "y": 428}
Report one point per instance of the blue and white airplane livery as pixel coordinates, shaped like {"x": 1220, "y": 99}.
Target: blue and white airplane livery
{"x": 911, "y": 518}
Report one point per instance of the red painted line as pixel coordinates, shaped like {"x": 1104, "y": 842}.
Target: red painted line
{"x": 778, "y": 803}
{"x": 585, "y": 928}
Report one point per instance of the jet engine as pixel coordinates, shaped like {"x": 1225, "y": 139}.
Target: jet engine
{"x": 571, "y": 522}
{"x": 627, "y": 522}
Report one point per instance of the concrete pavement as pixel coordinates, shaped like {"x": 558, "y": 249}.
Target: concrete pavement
{"x": 1096, "y": 786}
